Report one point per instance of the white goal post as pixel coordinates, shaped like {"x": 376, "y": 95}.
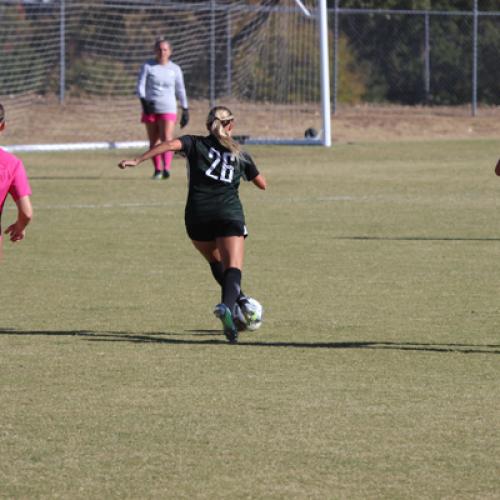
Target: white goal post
{"x": 69, "y": 68}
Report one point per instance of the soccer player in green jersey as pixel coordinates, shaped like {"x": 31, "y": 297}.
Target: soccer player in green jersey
{"x": 214, "y": 215}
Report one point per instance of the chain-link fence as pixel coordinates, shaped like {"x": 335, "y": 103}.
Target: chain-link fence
{"x": 415, "y": 57}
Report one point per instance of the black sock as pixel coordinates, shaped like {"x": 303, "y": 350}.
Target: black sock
{"x": 232, "y": 287}
{"x": 218, "y": 273}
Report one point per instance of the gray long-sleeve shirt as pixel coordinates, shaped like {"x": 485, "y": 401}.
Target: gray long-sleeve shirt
{"x": 162, "y": 84}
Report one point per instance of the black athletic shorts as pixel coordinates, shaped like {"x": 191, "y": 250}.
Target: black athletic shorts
{"x": 208, "y": 231}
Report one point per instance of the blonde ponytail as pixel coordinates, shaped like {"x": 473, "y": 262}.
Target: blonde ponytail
{"x": 215, "y": 119}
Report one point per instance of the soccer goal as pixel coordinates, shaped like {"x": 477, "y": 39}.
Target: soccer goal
{"x": 69, "y": 68}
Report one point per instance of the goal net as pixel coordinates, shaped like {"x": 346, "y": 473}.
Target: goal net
{"x": 69, "y": 68}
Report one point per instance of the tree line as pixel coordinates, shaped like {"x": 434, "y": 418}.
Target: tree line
{"x": 381, "y": 57}
{"x": 395, "y": 64}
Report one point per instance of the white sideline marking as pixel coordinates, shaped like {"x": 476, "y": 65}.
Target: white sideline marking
{"x": 174, "y": 203}
{"x": 100, "y": 206}
{"x": 92, "y": 206}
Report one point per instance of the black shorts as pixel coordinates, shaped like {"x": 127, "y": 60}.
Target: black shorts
{"x": 208, "y": 231}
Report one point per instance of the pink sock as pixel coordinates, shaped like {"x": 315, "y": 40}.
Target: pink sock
{"x": 167, "y": 159}
{"x": 157, "y": 163}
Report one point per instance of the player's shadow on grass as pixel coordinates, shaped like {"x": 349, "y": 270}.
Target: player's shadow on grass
{"x": 412, "y": 238}
{"x": 250, "y": 340}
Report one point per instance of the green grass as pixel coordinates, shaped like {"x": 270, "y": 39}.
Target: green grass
{"x": 375, "y": 374}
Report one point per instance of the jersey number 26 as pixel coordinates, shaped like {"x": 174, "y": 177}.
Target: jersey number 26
{"x": 226, "y": 170}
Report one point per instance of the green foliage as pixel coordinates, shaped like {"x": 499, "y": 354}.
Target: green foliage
{"x": 381, "y": 57}
{"x": 351, "y": 74}
{"x": 451, "y": 61}
{"x": 391, "y": 48}
{"x": 299, "y": 68}
{"x": 447, "y": 5}
{"x": 489, "y": 89}
{"x": 23, "y": 66}
{"x": 100, "y": 76}
{"x": 278, "y": 51}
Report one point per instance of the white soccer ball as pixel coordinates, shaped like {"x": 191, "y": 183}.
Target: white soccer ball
{"x": 251, "y": 314}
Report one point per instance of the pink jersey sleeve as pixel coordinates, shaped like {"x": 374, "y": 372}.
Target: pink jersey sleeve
{"x": 20, "y": 185}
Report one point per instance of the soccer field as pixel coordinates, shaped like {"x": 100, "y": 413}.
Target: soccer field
{"x": 376, "y": 371}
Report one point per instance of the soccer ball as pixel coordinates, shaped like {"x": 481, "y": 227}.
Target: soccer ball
{"x": 311, "y": 133}
{"x": 249, "y": 315}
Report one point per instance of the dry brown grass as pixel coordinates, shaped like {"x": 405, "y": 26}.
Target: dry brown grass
{"x": 82, "y": 120}
{"x": 374, "y": 123}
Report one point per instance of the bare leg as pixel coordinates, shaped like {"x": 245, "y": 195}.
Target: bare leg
{"x": 211, "y": 254}
{"x": 208, "y": 249}
{"x": 232, "y": 250}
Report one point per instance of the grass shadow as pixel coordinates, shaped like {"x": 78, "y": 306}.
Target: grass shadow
{"x": 216, "y": 338}
{"x": 412, "y": 238}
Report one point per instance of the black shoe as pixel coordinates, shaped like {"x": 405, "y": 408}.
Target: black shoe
{"x": 165, "y": 175}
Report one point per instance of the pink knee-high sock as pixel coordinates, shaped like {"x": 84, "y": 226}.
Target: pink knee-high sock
{"x": 167, "y": 159}
{"x": 157, "y": 163}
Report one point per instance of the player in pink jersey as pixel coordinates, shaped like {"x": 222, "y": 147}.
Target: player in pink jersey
{"x": 14, "y": 181}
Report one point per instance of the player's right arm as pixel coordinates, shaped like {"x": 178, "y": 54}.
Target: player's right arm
{"x": 147, "y": 106}
{"x": 141, "y": 82}
{"x": 173, "y": 145}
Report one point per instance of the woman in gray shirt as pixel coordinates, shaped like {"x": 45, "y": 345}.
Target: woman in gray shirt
{"x": 159, "y": 85}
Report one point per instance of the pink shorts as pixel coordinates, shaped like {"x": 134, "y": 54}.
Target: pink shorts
{"x": 156, "y": 117}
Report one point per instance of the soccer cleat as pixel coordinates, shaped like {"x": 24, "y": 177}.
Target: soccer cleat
{"x": 157, "y": 176}
{"x": 222, "y": 312}
{"x": 165, "y": 174}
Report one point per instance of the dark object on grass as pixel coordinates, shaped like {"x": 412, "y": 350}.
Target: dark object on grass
{"x": 311, "y": 133}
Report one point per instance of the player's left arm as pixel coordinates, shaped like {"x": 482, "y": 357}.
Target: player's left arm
{"x": 180, "y": 88}
{"x": 180, "y": 92}
{"x": 24, "y": 216}
{"x": 251, "y": 171}
{"x": 260, "y": 181}
{"x": 20, "y": 191}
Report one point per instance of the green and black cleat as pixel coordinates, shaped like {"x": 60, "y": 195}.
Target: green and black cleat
{"x": 222, "y": 312}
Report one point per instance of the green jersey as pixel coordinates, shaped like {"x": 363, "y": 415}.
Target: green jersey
{"x": 214, "y": 175}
